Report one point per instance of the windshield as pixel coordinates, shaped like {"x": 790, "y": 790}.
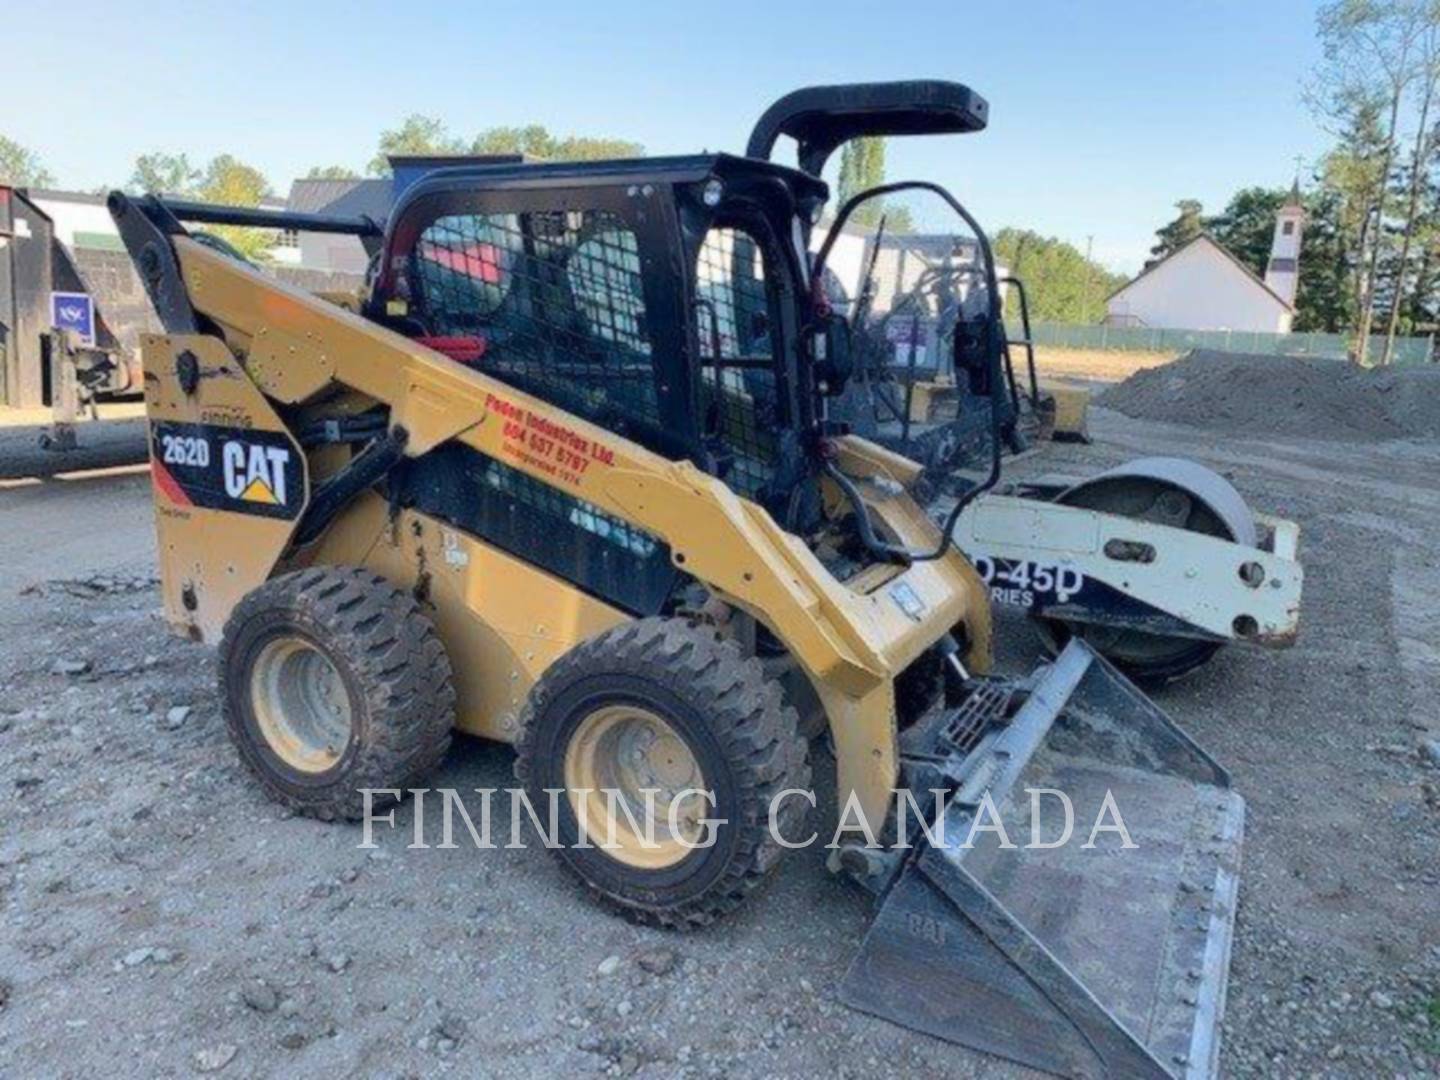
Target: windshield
{"x": 907, "y": 272}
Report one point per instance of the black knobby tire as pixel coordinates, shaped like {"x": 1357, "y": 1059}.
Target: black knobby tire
{"x": 744, "y": 738}
{"x": 395, "y": 674}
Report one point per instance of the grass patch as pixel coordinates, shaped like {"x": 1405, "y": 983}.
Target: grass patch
{"x": 1429, "y": 1011}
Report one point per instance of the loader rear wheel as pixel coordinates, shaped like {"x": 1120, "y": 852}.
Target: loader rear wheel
{"x": 333, "y": 681}
{"x": 663, "y": 705}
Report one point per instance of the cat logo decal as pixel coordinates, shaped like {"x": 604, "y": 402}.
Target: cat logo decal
{"x": 218, "y": 467}
{"x": 255, "y": 473}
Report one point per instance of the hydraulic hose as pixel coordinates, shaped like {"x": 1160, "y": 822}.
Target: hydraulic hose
{"x": 367, "y": 467}
{"x": 877, "y": 547}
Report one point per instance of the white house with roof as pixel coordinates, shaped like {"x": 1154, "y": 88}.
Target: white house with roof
{"x": 1202, "y": 286}
{"x": 335, "y": 252}
{"x": 82, "y": 222}
{"x": 81, "y": 218}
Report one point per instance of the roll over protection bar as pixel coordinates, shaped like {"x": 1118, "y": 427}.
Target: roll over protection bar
{"x": 822, "y": 118}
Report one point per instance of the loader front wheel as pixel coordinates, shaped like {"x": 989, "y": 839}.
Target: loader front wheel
{"x": 334, "y": 681}
{"x": 664, "y": 707}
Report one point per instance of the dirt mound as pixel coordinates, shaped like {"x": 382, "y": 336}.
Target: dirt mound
{"x": 1283, "y": 395}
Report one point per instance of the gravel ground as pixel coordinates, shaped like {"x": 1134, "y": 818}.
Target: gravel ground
{"x": 162, "y": 918}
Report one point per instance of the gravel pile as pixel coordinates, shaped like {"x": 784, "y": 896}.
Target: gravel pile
{"x": 1284, "y": 395}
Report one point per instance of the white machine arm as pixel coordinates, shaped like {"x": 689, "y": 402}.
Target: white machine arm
{"x": 1082, "y": 566}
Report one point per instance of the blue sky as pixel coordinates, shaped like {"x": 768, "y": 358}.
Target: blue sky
{"x": 1103, "y": 114}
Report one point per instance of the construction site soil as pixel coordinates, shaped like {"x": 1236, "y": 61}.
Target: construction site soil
{"x": 1284, "y": 395}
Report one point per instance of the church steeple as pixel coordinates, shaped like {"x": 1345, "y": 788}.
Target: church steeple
{"x": 1282, "y": 273}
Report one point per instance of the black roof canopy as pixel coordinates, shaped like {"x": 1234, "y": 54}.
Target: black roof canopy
{"x": 683, "y": 169}
{"x": 822, "y": 118}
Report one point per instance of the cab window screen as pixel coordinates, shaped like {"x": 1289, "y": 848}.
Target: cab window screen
{"x": 739, "y": 388}
{"x": 462, "y": 263}
{"x": 555, "y": 297}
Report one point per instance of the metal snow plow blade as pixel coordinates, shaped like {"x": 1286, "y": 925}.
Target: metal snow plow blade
{"x": 1080, "y": 960}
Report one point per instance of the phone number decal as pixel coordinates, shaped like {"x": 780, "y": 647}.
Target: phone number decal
{"x": 545, "y": 445}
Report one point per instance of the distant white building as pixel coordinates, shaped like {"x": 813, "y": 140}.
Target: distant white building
{"x": 336, "y": 252}
{"x": 1202, "y": 286}
{"x": 81, "y": 218}
{"x": 1282, "y": 272}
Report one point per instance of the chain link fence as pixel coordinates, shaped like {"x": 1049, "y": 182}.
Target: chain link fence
{"x": 1410, "y": 350}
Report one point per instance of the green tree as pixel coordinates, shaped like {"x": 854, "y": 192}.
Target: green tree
{"x": 164, "y": 174}
{"x": 534, "y": 140}
{"x": 1171, "y": 237}
{"x": 231, "y": 182}
{"x": 1060, "y": 283}
{"x": 427, "y": 135}
{"x": 1422, "y": 153}
{"x": 1353, "y": 173}
{"x": 331, "y": 172}
{"x": 417, "y": 134}
{"x": 862, "y": 166}
{"x": 1373, "y": 52}
{"x": 1424, "y": 307}
{"x": 898, "y": 218}
{"x": 20, "y": 167}
{"x": 1246, "y": 227}
{"x": 1325, "y": 298}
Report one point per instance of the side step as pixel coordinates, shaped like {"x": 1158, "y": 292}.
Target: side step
{"x": 1084, "y": 961}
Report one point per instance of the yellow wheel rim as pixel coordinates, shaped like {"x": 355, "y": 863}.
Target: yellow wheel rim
{"x": 301, "y": 705}
{"x": 628, "y": 750}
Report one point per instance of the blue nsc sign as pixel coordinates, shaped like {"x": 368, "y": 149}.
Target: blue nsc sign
{"x": 75, "y": 312}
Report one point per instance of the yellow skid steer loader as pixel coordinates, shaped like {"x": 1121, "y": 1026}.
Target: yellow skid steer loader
{"x": 567, "y": 480}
